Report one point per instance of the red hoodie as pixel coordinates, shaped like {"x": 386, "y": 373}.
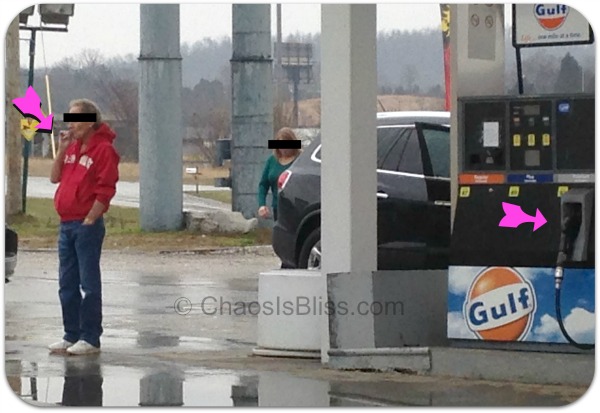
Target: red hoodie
{"x": 87, "y": 176}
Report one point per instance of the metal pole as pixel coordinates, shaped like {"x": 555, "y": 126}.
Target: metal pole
{"x": 296, "y": 82}
{"x": 278, "y": 70}
{"x": 27, "y": 143}
{"x": 48, "y": 95}
{"x": 519, "y": 70}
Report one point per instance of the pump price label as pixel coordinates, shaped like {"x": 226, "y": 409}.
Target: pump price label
{"x": 513, "y": 191}
{"x": 465, "y": 191}
{"x": 562, "y": 190}
{"x": 516, "y": 140}
{"x": 531, "y": 139}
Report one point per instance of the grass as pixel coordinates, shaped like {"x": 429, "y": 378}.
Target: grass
{"x": 130, "y": 172}
{"x": 221, "y": 196}
{"x": 39, "y": 229}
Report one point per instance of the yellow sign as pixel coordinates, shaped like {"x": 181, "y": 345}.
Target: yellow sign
{"x": 516, "y": 140}
{"x": 531, "y": 139}
{"x": 546, "y": 139}
{"x": 28, "y": 128}
{"x": 465, "y": 191}
{"x": 513, "y": 191}
{"x": 562, "y": 190}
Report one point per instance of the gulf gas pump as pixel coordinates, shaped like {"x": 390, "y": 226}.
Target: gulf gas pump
{"x": 522, "y": 251}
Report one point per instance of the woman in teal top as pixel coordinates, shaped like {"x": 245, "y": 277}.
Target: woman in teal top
{"x": 281, "y": 160}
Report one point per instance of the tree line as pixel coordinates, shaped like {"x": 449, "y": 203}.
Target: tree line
{"x": 408, "y": 62}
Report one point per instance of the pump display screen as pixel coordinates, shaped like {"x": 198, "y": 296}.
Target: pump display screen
{"x": 531, "y": 110}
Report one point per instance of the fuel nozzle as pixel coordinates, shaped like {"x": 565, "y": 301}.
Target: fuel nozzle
{"x": 573, "y": 205}
{"x": 570, "y": 225}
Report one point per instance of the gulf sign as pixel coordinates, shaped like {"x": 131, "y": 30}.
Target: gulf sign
{"x": 549, "y": 24}
{"x": 500, "y": 305}
{"x": 551, "y": 16}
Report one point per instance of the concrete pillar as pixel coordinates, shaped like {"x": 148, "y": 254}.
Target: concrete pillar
{"x": 252, "y": 102}
{"x": 160, "y": 131}
{"x": 348, "y": 168}
{"x": 477, "y": 64}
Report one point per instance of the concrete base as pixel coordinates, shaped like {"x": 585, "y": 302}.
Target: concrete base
{"x": 289, "y": 319}
{"x": 217, "y": 222}
{"x": 468, "y": 363}
{"x": 517, "y": 366}
{"x": 410, "y": 360}
{"x": 411, "y": 308}
{"x": 267, "y": 352}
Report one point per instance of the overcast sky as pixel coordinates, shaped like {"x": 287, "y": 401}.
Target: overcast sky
{"x": 114, "y": 29}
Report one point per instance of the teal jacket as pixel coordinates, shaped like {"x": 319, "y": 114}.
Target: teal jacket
{"x": 268, "y": 180}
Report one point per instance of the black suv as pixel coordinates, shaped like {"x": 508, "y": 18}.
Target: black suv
{"x": 413, "y": 194}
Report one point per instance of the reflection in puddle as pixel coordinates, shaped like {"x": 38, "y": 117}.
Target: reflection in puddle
{"x": 87, "y": 382}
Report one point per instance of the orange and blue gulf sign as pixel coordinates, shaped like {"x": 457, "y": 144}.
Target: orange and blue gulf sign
{"x": 517, "y": 304}
{"x": 551, "y": 16}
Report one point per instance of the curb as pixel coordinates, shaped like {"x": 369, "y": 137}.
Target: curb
{"x": 253, "y": 250}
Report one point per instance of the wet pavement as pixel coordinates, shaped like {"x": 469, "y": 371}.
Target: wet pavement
{"x": 156, "y": 352}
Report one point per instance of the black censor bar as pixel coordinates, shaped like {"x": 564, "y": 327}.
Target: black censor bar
{"x": 79, "y": 117}
{"x": 284, "y": 144}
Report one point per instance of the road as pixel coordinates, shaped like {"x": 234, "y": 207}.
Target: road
{"x": 128, "y": 195}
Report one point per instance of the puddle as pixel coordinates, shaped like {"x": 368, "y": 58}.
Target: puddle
{"x": 87, "y": 381}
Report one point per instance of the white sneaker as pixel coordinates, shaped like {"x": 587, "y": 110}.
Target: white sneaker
{"x": 81, "y": 348}
{"x": 60, "y": 346}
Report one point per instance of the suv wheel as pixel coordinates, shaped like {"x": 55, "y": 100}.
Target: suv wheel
{"x": 310, "y": 254}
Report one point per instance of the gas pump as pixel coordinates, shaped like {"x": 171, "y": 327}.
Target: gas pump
{"x": 522, "y": 251}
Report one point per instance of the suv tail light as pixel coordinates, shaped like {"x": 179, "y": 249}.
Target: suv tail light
{"x": 283, "y": 179}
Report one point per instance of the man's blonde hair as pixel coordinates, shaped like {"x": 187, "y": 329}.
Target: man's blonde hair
{"x": 88, "y": 106}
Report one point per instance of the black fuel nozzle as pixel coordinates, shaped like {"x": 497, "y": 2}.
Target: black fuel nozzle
{"x": 570, "y": 225}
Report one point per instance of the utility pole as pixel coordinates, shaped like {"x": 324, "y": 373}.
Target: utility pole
{"x": 13, "y": 135}
{"x": 27, "y": 142}
{"x": 50, "y": 13}
{"x": 278, "y": 69}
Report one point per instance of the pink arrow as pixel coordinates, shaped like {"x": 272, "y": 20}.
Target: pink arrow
{"x": 515, "y": 217}
{"x": 30, "y": 106}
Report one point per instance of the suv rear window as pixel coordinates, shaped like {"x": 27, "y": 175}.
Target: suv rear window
{"x": 397, "y": 149}
{"x": 391, "y": 145}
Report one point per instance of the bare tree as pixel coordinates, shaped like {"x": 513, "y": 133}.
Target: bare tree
{"x": 282, "y": 116}
{"x": 117, "y": 94}
{"x": 121, "y": 100}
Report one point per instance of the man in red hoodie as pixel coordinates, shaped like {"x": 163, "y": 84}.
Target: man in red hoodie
{"x": 86, "y": 166}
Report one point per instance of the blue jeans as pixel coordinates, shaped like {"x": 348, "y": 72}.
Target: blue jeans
{"x": 79, "y": 248}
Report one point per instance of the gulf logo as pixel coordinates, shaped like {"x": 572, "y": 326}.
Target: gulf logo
{"x": 551, "y": 16}
{"x": 500, "y": 305}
